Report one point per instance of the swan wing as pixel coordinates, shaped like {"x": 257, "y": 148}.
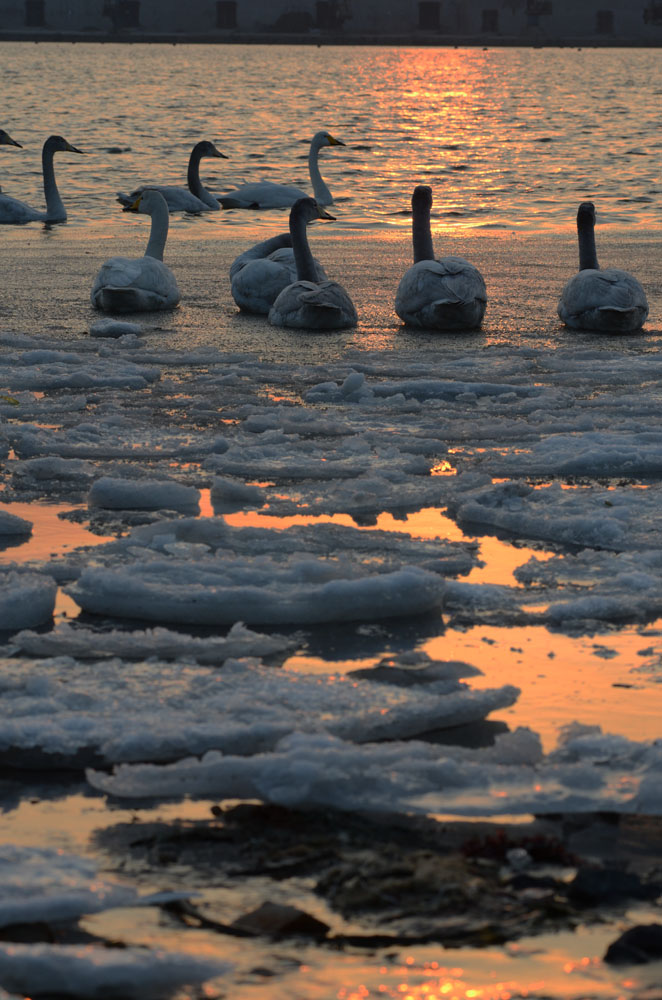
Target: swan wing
{"x": 126, "y": 284}
{"x": 444, "y": 294}
{"x": 262, "y": 194}
{"x": 15, "y": 212}
{"x": 179, "y": 199}
{"x": 610, "y": 301}
{"x": 323, "y": 305}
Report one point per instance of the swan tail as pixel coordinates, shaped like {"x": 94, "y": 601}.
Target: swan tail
{"x": 454, "y": 314}
{"x": 120, "y": 300}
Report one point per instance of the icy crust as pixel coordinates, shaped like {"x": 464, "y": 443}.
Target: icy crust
{"x": 586, "y": 772}
{"x": 143, "y": 494}
{"x": 157, "y": 643}
{"x": 26, "y": 599}
{"x": 61, "y": 707}
{"x": 42, "y": 885}
{"x": 10, "y": 524}
{"x": 93, "y": 972}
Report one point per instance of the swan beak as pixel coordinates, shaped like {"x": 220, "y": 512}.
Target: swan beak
{"x": 218, "y": 153}
{"x": 134, "y": 206}
{"x": 335, "y": 142}
{"x": 8, "y": 141}
{"x": 323, "y": 214}
{"x": 72, "y": 149}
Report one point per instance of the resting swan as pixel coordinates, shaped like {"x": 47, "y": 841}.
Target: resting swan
{"x": 258, "y": 276}
{"x": 447, "y": 293}
{"x": 125, "y": 284}
{"x": 15, "y": 212}
{"x": 195, "y": 198}
{"x": 611, "y": 300}
{"x": 6, "y": 140}
{"x": 266, "y": 194}
{"x": 308, "y": 303}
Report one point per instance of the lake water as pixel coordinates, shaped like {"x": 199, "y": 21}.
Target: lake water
{"x": 505, "y": 137}
{"x": 510, "y": 141}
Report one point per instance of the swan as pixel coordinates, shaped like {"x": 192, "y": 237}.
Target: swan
{"x": 309, "y": 303}
{"x": 259, "y": 275}
{"x": 194, "y": 198}
{"x": 140, "y": 284}
{"x": 446, "y": 293}
{"x": 16, "y": 212}
{"x": 611, "y": 300}
{"x": 266, "y": 194}
{"x": 6, "y": 140}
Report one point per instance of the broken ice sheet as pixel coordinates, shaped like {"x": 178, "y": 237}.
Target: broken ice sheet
{"x": 511, "y": 777}
{"x": 63, "y": 709}
{"x": 92, "y": 972}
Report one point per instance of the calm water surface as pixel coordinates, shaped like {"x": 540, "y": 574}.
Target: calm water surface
{"x": 506, "y": 137}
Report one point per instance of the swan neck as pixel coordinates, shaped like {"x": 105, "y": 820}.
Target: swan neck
{"x": 54, "y": 206}
{"x": 321, "y": 192}
{"x": 588, "y": 257}
{"x": 422, "y": 234}
{"x": 158, "y": 232}
{"x": 303, "y": 258}
{"x": 193, "y": 174}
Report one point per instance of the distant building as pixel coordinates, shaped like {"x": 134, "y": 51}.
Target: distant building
{"x": 540, "y": 22}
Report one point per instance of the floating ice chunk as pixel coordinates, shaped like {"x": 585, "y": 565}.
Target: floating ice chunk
{"x": 64, "y": 470}
{"x": 61, "y": 707}
{"x": 42, "y": 885}
{"x": 143, "y": 494}
{"x": 114, "y": 328}
{"x": 307, "y": 770}
{"x": 158, "y": 643}
{"x": 10, "y": 524}
{"x": 26, "y": 599}
{"x": 223, "y": 591}
{"x": 94, "y": 972}
{"x": 229, "y": 495}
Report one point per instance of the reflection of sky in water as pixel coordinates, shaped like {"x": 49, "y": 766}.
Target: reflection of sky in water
{"x": 505, "y": 137}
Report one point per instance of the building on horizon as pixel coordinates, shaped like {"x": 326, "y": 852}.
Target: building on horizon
{"x": 429, "y": 22}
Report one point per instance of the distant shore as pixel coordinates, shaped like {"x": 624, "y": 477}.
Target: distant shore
{"x": 323, "y": 38}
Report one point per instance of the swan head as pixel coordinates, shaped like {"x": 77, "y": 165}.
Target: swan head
{"x": 307, "y": 209}
{"x": 206, "y": 148}
{"x": 326, "y": 139}
{"x": 586, "y": 214}
{"x": 6, "y": 139}
{"x": 147, "y": 202}
{"x": 422, "y": 197}
{"x": 57, "y": 144}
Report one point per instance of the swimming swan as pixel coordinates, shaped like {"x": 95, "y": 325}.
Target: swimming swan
{"x": 13, "y": 211}
{"x": 125, "y": 284}
{"x": 194, "y": 198}
{"x": 6, "y": 140}
{"x": 308, "y": 303}
{"x": 266, "y": 194}
{"x": 446, "y": 293}
{"x": 259, "y": 275}
{"x": 611, "y": 300}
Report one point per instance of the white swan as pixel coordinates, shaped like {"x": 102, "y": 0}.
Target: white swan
{"x": 266, "y": 194}
{"x": 259, "y": 275}
{"x": 308, "y": 303}
{"x": 194, "y": 198}
{"x": 612, "y": 300}
{"x": 140, "y": 284}
{"x": 15, "y": 212}
{"x": 6, "y": 140}
{"x": 446, "y": 293}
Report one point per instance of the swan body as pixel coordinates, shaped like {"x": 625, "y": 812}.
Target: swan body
{"x": 140, "y": 284}
{"x": 609, "y": 300}
{"x": 446, "y": 293}
{"x": 17, "y": 212}
{"x": 267, "y": 194}
{"x": 308, "y": 303}
{"x": 194, "y": 198}
{"x": 258, "y": 276}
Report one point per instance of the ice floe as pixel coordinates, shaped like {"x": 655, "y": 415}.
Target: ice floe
{"x": 26, "y": 599}
{"x": 143, "y": 494}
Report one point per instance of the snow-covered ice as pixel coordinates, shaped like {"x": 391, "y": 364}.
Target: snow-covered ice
{"x": 26, "y": 599}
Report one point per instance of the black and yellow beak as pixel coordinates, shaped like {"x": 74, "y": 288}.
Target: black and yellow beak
{"x": 134, "y": 206}
{"x": 323, "y": 214}
{"x": 335, "y": 142}
{"x": 6, "y": 140}
{"x": 72, "y": 149}
{"x": 217, "y": 152}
